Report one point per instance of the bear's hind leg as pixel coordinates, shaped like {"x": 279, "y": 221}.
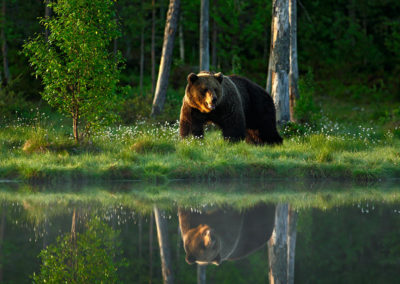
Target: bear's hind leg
{"x": 253, "y": 137}
{"x": 270, "y": 135}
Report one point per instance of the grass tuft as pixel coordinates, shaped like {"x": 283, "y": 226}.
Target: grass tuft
{"x": 149, "y": 145}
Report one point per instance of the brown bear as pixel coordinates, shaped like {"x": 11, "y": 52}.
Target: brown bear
{"x": 216, "y": 235}
{"x": 240, "y": 107}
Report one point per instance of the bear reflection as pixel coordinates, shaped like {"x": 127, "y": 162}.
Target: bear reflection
{"x": 219, "y": 234}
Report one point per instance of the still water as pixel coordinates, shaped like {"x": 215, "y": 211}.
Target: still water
{"x": 237, "y": 232}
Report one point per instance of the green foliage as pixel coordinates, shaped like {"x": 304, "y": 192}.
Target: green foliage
{"x": 12, "y": 100}
{"x": 80, "y": 75}
{"x": 305, "y": 108}
{"x": 89, "y": 259}
{"x": 137, "y": 106}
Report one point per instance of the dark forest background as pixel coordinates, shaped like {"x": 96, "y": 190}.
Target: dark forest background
{"x": 350, "y": 49}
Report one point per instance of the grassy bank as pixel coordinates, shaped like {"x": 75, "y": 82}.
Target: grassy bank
{"x": 141, "y": 197}
{"x": 45, "y": 151}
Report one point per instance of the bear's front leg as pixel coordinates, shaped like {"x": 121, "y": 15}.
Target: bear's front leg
{"x": 234, "y": 129}
{"x": 194, "y": 128}
{"x": 188, "y": 124}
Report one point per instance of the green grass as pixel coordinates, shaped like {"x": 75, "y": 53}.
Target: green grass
{"x": 155, "y": 152}
{"x": 41, "y": 148}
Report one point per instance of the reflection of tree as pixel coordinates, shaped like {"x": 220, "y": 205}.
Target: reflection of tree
{"x": 277, "y": 246}
{"x": 81, "y": 258}
{"x": 151, "y": 247}
{"x": 2, "y": 229}
{"x": 162, "y": 233}
{"x": 282, "y": 244}
{"x": 201, "y": 274}
{"x": 291, "y": 243}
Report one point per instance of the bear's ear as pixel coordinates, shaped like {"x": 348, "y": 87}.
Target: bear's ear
{"x": 190, "y": 259}
{"x": 192, "y": 78}
{"x": 217, "y": 260}
{"x": 219, "y": 76}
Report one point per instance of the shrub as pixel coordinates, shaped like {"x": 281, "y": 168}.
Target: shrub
{"x": 79, "y": 73}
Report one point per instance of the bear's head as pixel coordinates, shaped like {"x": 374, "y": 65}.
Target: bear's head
{"x": 202, "y": 245}
{"x": 204, "y": 91}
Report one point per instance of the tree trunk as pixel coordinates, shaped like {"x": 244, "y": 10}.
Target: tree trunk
{"x": 181, "y": 41}
{"x": 75, "y": 122}
{"x": 141, "y": 56}
{"x": 166, "y": 57}
{"x": 162, "y": 234}
{"x": 294, "y": 69}
{"x": 204, "y": 36}
{"x": 269, "y": 76}
{"x": 201, "y": 274}
{"x": 280, "y": 60}
{"x": 277, "y": 247}
{"x": 153, "y": 47}
{"x": 291, "y": 244}
{"x": 47, "y": 14}
{"x": 151, "y": 227}
{"x": 140, "y": 227}
{"x": 4, "y": 48}
{"x": 214, "y": 40}
{"x": 73, "y": 226}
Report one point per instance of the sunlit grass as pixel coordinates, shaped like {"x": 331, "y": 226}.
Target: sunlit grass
{"x": 144, "y": 151}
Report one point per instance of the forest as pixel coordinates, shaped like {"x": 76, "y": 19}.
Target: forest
{"x": 348, "y": 102}
{"x": 351, "y": 48}
{"x": 96, "y": 177}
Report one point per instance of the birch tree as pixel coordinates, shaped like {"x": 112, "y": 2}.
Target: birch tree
{"x": 204, "y": 36}
{"x": 294, "y": 68}
{"x": 171, "y": 26}
{"x": 279, "y": 60}
{"x": 153, "y": 45}
{"x": 141, "y": 65}
{"x": 181, "y": 41}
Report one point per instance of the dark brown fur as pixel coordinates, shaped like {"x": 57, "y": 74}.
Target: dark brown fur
{"x": 225, "y": 234}
{"x": 241, "y": 108}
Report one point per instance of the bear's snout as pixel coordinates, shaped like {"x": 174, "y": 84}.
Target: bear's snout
{"x": 211, "y": 101}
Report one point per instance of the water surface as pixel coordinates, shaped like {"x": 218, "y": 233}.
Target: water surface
{"x": 345, "y": 233}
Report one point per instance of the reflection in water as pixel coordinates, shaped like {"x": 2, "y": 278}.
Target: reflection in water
{"x": 354, "y": 242}
{"x": 217, "y": 235}
{"x": 90, "y": 257}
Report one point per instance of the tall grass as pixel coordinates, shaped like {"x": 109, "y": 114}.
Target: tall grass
{"x": 147, "y": 151}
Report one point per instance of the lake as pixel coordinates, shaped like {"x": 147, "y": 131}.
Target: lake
{"x": 241, "y": 231}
